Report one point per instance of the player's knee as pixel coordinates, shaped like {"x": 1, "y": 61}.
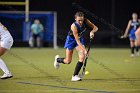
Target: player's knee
{"x": 81, "y": 53}
{"x": 81, "y": 58}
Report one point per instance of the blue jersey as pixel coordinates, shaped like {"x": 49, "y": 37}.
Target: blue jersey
{"x": 70, "y": 40}
{"x": 133, "y": 28}
{"x": 80, "y": 29}
{"x": 134, "y": 25}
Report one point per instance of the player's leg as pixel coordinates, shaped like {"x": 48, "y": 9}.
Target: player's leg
{"x": 137, "y": 51}
{"x": 31, "y": 42}
{"x": 79, "y": 64}
{"x": 33, "y": 38}
{"x": 66, "y": 60}
{"x": 41, "y": 39}
{"x": 3, "y": 66}
{"x": 137, "y": 48}
{"x": 138, "y": 38}
{"x": 38, "y": 41}
{"x": 132, "y": 45}
{"x": 70, "y": 44}
{"x": 5, "y": 44}
{"x": 80, "y": 61}
{"x": 137, "y": 41}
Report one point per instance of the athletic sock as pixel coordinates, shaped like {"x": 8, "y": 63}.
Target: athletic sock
{"x": 137, "y": 49}
{"x": 3, "y": 67}
{"x": 132, "y": 50}
{"x": 60, "y": 60}
{"x": 77, "y": 68}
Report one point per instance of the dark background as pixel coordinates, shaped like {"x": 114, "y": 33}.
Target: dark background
{"x": 115, "y": 12}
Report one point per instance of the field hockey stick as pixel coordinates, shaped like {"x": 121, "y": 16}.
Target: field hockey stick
{"x": 78, "y": 7}
{"x": 85, "y": 60}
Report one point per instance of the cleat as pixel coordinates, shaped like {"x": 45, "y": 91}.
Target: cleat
{"x": 137, "y": 54}
{"x": 76, "y": 78}
{"x": 6, "y": 76}
{"x": 132, "y": 55}
{"x": 56, "y": 64}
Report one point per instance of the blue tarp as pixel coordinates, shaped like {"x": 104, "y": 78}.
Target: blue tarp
{"x": 47, "y": 19}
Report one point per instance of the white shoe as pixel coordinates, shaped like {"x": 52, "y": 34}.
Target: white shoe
{"x": 132, "y": 55}
{"x": 76, "y": 78}
{"x": 56, "y": 64}
{"x": 137, "y": 54}
{"x": 6, "y": 76}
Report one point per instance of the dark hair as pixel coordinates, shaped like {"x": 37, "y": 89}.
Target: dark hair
{"x": 80, "y": 14}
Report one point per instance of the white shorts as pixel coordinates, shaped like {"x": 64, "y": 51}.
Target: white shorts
{"x": 6, "y": 40}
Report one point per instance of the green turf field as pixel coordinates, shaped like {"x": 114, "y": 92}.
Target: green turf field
{"x": 110, "y": 71}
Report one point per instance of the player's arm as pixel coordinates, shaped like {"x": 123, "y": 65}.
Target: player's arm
{"x": 32, "y": 28}
{"x": 127, "y": 28}
{"x": 75, "y": 33}
{"x": 42, "y": 28}
{"x": 94, "y": 27}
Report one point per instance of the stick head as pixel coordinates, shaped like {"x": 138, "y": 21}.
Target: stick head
{"x": 82, "y": 74}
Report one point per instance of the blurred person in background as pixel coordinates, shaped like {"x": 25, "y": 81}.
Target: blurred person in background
{"x": 132, "y": 26}
{"x": 36, "y": 34}
{"x": 6, "y": 41}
